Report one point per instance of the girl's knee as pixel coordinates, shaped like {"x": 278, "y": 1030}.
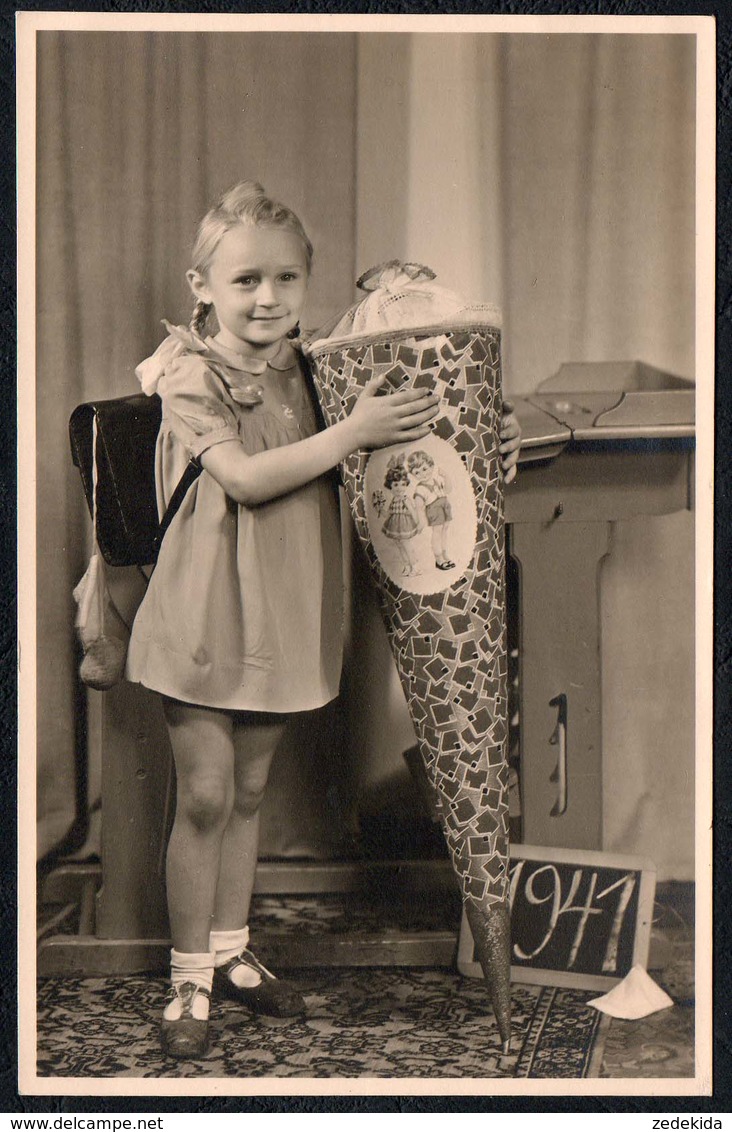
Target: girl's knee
{"x": 251, "y": 783}
{"x": 249, "y": 798}
{"x": 205, "y": 804}
{"x": 255, "y": 753}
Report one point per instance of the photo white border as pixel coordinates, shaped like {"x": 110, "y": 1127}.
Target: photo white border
{"x": 703, "y": 27}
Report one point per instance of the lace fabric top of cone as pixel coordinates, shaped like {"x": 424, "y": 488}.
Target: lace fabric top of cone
{"x": 402, "y": 296}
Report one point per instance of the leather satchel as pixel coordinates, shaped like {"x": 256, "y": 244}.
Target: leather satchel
{"x": 113, "y": 446}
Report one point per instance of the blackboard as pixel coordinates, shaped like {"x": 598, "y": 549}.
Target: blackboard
{"x": 579, "y": 918}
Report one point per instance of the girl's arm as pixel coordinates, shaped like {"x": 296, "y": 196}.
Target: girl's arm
{"x": 374, "y": 422}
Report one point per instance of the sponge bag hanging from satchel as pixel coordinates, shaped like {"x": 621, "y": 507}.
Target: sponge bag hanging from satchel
{"x": 113, "y": 446}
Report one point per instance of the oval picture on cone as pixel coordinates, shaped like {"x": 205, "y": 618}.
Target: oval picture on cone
{"x": 421, "y": 513}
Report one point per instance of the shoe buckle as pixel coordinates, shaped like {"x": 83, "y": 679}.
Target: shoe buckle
{"x": 250, "y": 960}
{"x": 187, "y": 992}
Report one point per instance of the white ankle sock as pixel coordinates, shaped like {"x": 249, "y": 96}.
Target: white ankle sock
{"x": 226, "y": 946}
{"x": 190, "y": 967}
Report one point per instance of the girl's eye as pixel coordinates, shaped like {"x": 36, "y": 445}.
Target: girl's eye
{"x": 288, "y": 276}
{"x": 247, "y": 280}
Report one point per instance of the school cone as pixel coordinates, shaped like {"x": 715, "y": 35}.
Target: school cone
{"x": 491, "y": 931}
{"x": 440, "y": 580}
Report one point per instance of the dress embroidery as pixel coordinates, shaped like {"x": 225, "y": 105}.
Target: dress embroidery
{"x": 248, "y": 395}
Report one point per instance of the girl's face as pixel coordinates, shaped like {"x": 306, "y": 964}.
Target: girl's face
{"x": 257, "y": 280}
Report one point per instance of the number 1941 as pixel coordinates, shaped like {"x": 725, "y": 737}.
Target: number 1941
{"x": 541, "y": 888}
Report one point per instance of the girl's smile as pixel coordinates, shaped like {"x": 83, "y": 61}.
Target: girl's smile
{"x": 256, "y": 281}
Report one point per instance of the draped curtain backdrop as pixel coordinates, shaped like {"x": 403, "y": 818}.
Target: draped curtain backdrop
{"x": 137, "y": 135}
{"x": 553, "y": 174}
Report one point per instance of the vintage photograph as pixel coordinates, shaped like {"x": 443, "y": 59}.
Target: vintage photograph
{"x": 365, "y": 467}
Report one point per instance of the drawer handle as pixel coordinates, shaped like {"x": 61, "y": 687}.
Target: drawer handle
{"x": 559, "y": 739}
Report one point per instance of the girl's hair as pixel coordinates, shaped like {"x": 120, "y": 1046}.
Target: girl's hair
{"x": 396, "y": 472}
{"x": 420, "y": 457}
{"x": 246, "y": 203}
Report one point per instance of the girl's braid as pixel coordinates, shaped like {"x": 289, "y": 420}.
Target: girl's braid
{"x": 199, "y": 316}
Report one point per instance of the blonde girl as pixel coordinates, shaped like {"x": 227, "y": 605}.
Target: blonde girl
{"x": 241, "y": 623}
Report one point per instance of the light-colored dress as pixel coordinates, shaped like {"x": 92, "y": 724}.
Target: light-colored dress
{"x": 400, "y": 523}
{"x": 244, "y": 608}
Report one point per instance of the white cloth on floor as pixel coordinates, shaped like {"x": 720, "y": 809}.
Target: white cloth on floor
{"x": 635, "y": 997}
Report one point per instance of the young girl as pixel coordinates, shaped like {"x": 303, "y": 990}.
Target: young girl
{"x": 241, "y": 623}
{"x": 402, "y": 522}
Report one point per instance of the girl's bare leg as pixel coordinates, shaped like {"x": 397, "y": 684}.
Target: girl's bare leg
{"x": 410, "y": 560}
{"x": 203, "y": 751}
{"x": 255, "y": 740}
{"x": 238, "y": 973}
{"x": 404, "y": 555}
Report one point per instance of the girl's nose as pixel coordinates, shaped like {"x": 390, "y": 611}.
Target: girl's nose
{"x": 267, "y": 294}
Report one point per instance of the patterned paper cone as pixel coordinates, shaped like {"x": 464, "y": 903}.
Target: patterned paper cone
{"x": 430, "y": 517}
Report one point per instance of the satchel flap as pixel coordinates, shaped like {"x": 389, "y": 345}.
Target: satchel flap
{"x": 127, "y": 429}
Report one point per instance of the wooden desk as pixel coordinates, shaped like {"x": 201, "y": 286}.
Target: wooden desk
{"x": 560, "y": 512}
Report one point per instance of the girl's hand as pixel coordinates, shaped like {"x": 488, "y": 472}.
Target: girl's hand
{"x": 510, "y": 436}
{"x": 378, "y": 421}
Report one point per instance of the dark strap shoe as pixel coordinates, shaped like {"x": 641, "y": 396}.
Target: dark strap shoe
{"x": 274, "y": 997}
{"x": 185, "y": 1038}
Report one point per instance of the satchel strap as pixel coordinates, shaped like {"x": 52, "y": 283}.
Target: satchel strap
{"x": 189, "y": 476}
{"x": 94, "y": 477}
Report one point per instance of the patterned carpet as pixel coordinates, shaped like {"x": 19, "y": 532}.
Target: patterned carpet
{"x": 361, "y": 1022}
{"x": 661, "y": 1045}
{"x": 378, "y": 1021}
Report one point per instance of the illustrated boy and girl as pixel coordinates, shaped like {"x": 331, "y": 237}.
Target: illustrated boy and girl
{"x": 241, "y": 625}
{"x": 427, "y": 506}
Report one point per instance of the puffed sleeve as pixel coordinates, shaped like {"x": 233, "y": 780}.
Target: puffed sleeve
{"x": 194, "y": 405}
